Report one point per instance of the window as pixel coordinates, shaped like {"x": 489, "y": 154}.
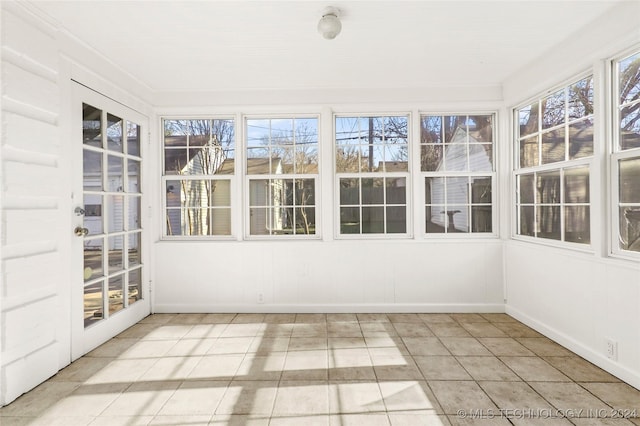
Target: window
{"x": 554, "y": 148}
{"x": 626, "y": 155}
{"x": 282, "y": 176}
{"x": 372, "y": 166}
{"x": 199, "y": 166}
{"x": 456, "y": 161}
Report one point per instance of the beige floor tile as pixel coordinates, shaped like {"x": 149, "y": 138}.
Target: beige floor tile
{"x": 343, "y": 329}
{"x": 409, "y": 396}
{"x": 307, "y": 343}
{"x": 395, "y": 318}
{"x": 542, "y": 346}
{"x": 375, "y": 419}
{"x": 217, "y": 318}
{"x": 355, "y": 397}
{"x": 569, "y": 396}
{"x": 342, "y": 318}
{"x": 505, "y": 346}
{"x": 372, "y": 318}
{"x": 248, "y": 319}
{"x": 318, "y": 329}
{"x": 464, "y": 346}
{"x": 441, "y": 368}
{"x": 383, "y": 341}
{"x": 243, "y": 330}
{"x": 138, "y": 331}
{"x": 580, "y": 370}
{"x": 516, "y": 396}
{"x": 299, "y": 420}
{"x": 142, "y": 399}
{"x": 416, "y": 419}
{"x": 268, "y": 367}
{"x": 277, "y": 330}
{"x": 379, "y": 328}
{"x": 483, "y": 329}
{"x": 487, "y": 368}
{"x": 191, "y": 347}
{"x": 534, "y": 369}
{"x": 168, "y": 331}
{"x": 279, "y": 318}
{"x": 157, "y": 319}
{"x": 346, "y": 342}
{"x": 462, "y": 318}
{"x": 205, "y": 331}
{"x": 195, "y": 397}
{"x": 456, "y": 395}
{"x": 249, "y": 397}
{"x": 618, "y": 395}
{"x": 231, "y": 345}
{"x": 59, "y": 421}
{"x": 350, "y": 364}
{"x": 412, "y": 329}
{"x": 39, "y": 399}
{"x": 306, "y": 398}
{"x": 81, "y": 369}
{"x": 466, "y": 421}
{"x": 516, "y": 329}
{"x": 425, "y": 346}
{"x": 540, "y": 422}
{"x": 187, "y": 318}
{"x": 390, "y": 369}
{"x": 306, "y": 365}
{"x": 19, "y": 420}
{"x": 148, "y": 349}
{"x": 237, "y": 420}
{"x": 497, "y": 317}
{"x": 216, "y": 367}
{"x": 187, "y": 420}
{"x": 171, "y": 368}
{"x": 602, "y": 422}
{"x": 113, "y": 348}
{"x": 446, "y": 329}
{"x": 311, "y": 318}
{"x": 122, "y": 421}
{"x": 122, "y": 371}
{"x": 87, "y": 400}
{"x": 436, "y": 318}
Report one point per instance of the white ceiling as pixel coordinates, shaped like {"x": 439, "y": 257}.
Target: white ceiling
{"x": 239, "y": 45}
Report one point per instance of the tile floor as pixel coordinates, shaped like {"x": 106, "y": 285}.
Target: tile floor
{"x": 328, "y": 369}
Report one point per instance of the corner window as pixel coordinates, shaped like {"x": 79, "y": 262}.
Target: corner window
{"x": 199, "y": 168}
{"x": 626, "y": 155}
{"x": 282, "y": 176}
{"x": 456, "y": 161}
{"x": 554, "y": 147}
{"x": 372, "y": 173}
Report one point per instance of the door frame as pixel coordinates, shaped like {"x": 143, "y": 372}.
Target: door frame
{"x": 84, "y": 339}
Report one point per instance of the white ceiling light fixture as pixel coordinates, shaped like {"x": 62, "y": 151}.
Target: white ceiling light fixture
{"x": 329, "y": 25}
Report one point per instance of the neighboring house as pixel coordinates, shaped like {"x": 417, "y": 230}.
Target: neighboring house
{"x": 456, "y": 216}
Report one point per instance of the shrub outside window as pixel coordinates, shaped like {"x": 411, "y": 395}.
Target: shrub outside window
{"x": 456, "y": 161}
{"x": 282, "y": 175}
{"x": 554, "y": 149}
{"x": 372, "y": 169}
{"x": 199, "y": 167}
{"x": 626, "y": 155}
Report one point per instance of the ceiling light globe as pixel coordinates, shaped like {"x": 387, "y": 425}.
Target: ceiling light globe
{"x": 329, "y": 26}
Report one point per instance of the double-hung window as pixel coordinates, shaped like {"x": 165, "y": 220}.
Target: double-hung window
{"x": 372, "y": 173}
{"x": 456, "y": 161}
{"x": 199, "y": 169}
{"x": 626, "y": 155}
{"x": 554, "y": 149}
{"x": 282, "y": 176}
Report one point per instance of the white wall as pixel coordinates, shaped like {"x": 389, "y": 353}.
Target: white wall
{"x": 580, "y": 298}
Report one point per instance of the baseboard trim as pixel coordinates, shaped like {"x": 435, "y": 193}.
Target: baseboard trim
{"x": 620, "y": 371}
{"x": 333, "y": 308}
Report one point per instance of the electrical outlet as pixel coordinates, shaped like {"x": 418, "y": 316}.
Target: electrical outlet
{"x": 612, "y": 349}
{"x": 260, "y": 298}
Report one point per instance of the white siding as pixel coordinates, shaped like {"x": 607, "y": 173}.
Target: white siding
{"x": 32, "y": 264}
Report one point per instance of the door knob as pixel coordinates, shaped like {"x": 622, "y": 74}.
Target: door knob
{"x": 80, "y": 232}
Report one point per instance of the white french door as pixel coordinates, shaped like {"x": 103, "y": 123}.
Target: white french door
{"x": 110, "y": 291}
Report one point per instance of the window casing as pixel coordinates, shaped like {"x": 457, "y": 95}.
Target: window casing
{"x": 372, "y": 175}
{"x": 198, "y": 176}
{"x": 554, "y": 149}
{"x": 456, "y": 163}
{"x": 625, "y": 159}
{"x": 282, "y": 169}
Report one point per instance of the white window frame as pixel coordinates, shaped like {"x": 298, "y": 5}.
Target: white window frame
{"x": 559, "y": 166}
{"x": 617, "y": 155}
{"x": 316, "y": 177}
{"x": 231, "y": 178}
{"x": 446, "y": 174}
{"x": 407, "y": 175}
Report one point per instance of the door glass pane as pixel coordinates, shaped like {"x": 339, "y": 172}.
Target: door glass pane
{"x": 133, "y": 139}
{"x": 116, "y": 254}
{"x": 91, "y": 126}
{"x": 93, "y": 303}
{"x": 115, "y": 181}
{"x": 114, "y": 133}
{"x": 92, "y": 170}
{"x": 134, "y": 289}
{"x": 93, "y": 214}
{"x": 115, "y": 209}
{"x": 577, "y": 224}
{"x": 134, "y": 249}
{"x": 629, "y": 184}
{"x": 133, "y": 176}
{"x": 93, "y": 254}
{"x": 134, "y": 213}
{"x": 548, "y": 222}
{"x": 116, "y": 297}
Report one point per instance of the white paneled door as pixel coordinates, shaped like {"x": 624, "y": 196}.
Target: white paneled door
{"x": 110, "y": 291}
